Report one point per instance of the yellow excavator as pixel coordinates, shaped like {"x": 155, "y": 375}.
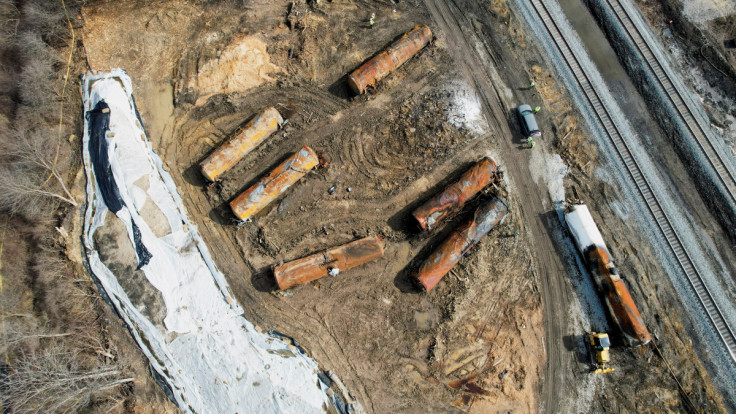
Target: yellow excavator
{"x": 599, "y": 343}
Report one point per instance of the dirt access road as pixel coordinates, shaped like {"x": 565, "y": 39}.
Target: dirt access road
{"x": 201, "y": 69}
{"x": 485, "y": 50}
{"x": 535, "y": 204}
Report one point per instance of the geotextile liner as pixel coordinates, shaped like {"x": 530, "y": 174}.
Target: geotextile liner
{"x": 205, "y": 352}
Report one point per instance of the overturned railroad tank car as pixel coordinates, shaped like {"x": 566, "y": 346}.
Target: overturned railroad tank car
{"x": 270, "y": 187}
{"x": 460, "y": 242}
{"x": 479, "y": 176}
{"x": 613, "y": 291}
{"x": 390, "y": 58}
{"x": 242, "y": 142}
{"x": 328, "y": 262}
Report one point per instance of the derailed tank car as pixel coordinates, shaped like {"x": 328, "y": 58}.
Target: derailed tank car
{"x": 460, "y": 242}
{"x": 390, "y": 58}
{"x": 243, "y": 141}
{"x": 613, "y": 291}
{"x": 270, "y": 187}
{"x": 454, "y": 196}
{"x": 328, "y": 262}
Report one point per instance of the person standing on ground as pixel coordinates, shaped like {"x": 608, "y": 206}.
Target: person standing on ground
{"x": 372, "y": 20}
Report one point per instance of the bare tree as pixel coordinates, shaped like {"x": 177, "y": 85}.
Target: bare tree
{"x": 46, "y": 17}
{"x": 39, "y": 80}
{"x": 31, "y": 173}
{"x": 18, "y": 335}
{"x": 52, "y": 335}
{"x": 9, "y": 19}
{"x": 32, "y": 160}
{"x": 54, "y": 380}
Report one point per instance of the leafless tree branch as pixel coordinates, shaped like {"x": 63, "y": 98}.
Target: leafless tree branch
{"x": 53, "y": 380}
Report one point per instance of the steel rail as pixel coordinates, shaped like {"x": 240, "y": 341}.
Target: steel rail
{"x": 642, "y": 184}
{"x": 699, "y": 133}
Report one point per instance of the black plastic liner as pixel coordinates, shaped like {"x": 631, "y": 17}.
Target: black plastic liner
{"x": 144, "y": 256}
{"x": 99, "y": 124}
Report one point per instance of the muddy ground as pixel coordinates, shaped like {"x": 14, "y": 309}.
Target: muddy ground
{"x": 395, "y": 349}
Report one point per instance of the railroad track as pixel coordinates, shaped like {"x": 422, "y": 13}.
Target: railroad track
{"x": 642, "y": 184}
{"x": 699, "y": 133}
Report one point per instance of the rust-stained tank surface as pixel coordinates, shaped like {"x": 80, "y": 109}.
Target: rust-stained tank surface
{"x": 390, "y": 58}
{"x": 267, "y": 189}
{"x": 454, "y": 196}
{"x": 241, "y": 143}
{"x": 619, "y": 303}
{"x": 459, "y": 243}
{"x": 336, "y": 260}
{"x": 617, "y": 298}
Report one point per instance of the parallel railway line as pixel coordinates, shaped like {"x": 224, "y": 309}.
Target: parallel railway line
{"x": 698, "y": 132}
{"x": 643, "y": 186}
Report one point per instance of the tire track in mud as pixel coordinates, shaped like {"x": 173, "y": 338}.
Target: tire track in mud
{"x": 371, "y": 160}
{"x": 229, "y": 255}
{"x": 551, "y": 273}
{"x": 348, "y": 211}
{"x": 224, "y": 115}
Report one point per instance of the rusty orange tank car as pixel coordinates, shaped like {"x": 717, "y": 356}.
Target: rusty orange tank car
{"x": 459, "y": 243}
{"x": 390, "y": 58}
{"x": 335, "y": 260}
{"x": 454, "y": 196}
{"x": 267, "y": 189}
{"x": 241, "y": 143}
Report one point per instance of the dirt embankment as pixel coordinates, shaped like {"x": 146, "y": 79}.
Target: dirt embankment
{"x": 704, "y": 30}
{"x": 395, "y": 349}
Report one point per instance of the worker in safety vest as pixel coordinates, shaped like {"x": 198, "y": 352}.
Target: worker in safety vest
{"x": 531, "y": 142}
{"x": 372, "y": 20}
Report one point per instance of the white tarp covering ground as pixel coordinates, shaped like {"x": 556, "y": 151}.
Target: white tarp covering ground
{"x": 209, "y": 355}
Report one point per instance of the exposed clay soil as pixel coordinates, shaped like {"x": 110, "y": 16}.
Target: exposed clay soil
{"x": 479, "y": 341}
{"x": 390, "y": 345}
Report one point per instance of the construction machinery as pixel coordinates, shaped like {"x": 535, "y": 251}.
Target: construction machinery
{"x": 611, "y": 287}
{"x": 598, "y": 344}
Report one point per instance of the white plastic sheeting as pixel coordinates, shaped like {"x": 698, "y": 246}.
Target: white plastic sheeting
{"x": 211, "y": 357}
